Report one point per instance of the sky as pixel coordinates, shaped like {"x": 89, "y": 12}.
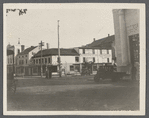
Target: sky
{"x": 77, "y": 26}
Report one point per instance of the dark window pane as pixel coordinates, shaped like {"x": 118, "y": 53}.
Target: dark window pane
{"x": 45, "y": 60}
{"x": 49, "y": 60}
{"x": 77, "y": 59}
{"x": 71, "y": 68}
{"x": 83, "y": 51}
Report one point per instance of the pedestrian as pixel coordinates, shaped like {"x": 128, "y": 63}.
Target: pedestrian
{"x": 50, "y": 72}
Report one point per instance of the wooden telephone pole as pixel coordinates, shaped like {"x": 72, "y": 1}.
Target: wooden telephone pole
{"x": 41, "y": 44}
{"x": 59, "y": 59}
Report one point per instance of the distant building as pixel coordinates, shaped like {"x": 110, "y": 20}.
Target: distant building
{"x": 126, "y": 25}
{"x": 23, "y": 60}
{"x": 10, "y": 61}
{"x": 50, "y": 57}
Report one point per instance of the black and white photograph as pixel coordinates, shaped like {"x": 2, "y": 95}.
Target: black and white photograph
{"x": 74, "y": 59}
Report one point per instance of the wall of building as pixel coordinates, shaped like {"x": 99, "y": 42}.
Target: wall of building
{"x": 32, "y": 53}
{"x": 126, "y": 24}
{"x": 99, "y": 55}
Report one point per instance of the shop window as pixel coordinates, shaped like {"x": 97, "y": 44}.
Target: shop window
{"x": 34, "y": 69}
{"x": 95, "y": 68}
{"x": 76, "y": 59}
{"x": 71, "y": 68}
{"x": 77, "y": 67}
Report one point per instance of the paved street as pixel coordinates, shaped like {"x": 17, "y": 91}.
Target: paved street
{"x": 73, "y": 93}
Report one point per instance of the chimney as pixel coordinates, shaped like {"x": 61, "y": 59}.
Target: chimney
{"x": 22, "y": 48}
{"x": 108, "y": 35}
{"x": 93, "y": 39}
{"x": 47, "y": 45}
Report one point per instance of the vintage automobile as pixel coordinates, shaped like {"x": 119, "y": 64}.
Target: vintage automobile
{"x": 108, "y": 72}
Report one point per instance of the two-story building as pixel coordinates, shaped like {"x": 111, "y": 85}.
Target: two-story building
{"x": 68, "y": 58}
{"x": 99, "y": 52}
{"x": 23, "y": 60}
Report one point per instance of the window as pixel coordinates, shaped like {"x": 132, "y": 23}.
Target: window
{"x": 18, "y": 51}
{"x": 19, "y": 56}
{"x": 10, "y": 60}
{"x": 42, "y": 60}
{"x": 107, "y": 60}
{"x": 71, "y": 68}
{"x": 95, "y": 68}
{"x": 39, "y": 61}
{"x": 26, "y": 55}
{"x": 36, "y": 61}
{"x": 100, "y": 51}
{"x": 93, "y": 51}
{"x": 107, "y": 51}
{"x": 76, "y": 59}
{"x": 49, "y": 60}
{"x": 22, "y": 56}
{"x": 26, "y": 61}
{"x": 83, "y": 51}
{"x": 83, "y": 59}
{"x": 93, "y": 59}
{"x": 45, "y": 60}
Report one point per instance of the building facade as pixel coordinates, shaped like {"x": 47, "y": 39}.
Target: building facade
{"x": 23, "y": 60}
{"x": 126, "y": 25}
{"x": 98, "y": 52}
{"x": 50, "y": 58}
{"x": 10, "y": 61}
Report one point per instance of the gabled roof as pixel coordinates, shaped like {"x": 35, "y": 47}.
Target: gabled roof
{"x": 54, "y": 51}
{"x": 9, "y": 52}
{"x": 26, "y": 51}
{"x": 104, "y": 43}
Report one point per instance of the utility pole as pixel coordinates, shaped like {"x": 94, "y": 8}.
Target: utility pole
{"x": 59, "y": 60}
{"x": 41, "y": 44}
{"x": 13, "y": 62}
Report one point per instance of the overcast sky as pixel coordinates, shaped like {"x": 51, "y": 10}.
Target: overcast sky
{"x": 77, "y": 26}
